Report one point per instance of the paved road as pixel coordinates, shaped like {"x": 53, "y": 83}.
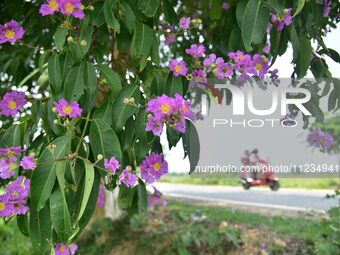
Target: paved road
{"x": 286, "y": 199}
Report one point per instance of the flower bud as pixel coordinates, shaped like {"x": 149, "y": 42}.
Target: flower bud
{"x": 100, "y": 157}
{"x": 91, "y": 8}
{"x": 83, "y": 43}
{"x": 56, "y": 121}
{"x": 126, "y": 100}
{"x": 129, "y": 168}
{"x": 82, "y": 7}
{"x": 54, "y": 109}
{"x": 70, "y": 39}
{"x": 51, "y": 147}
{"x": 132, "y": 100}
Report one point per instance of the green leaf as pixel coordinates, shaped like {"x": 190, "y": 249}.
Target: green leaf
{"x": 104, "y": 112}
{"x": 110, "y": 18}
{"x": 148, "y": 7}
{"x": 216, "y": 9}
{"x": 294, "y": 39}
{"x": 157, "y": 84}
{"x": 331, "y": 53}
{"x": 277, "y": 5}
{"x": 142, "y": 40}
{"x": 112, "y": 77}
{"x": 89, "y": 180}
{"x": 60, "y": 215}
{"x": 40, "y": 231}
{"x": 173, "y": 136}
{"x": 174, "y": 84}
{"x": 104, "y": 140}
{"x": 90, "y": 78}
{"x": 129, "y": 18}
{"x": 76, "y": 52}
{"x": 74, "y": 84}
{"x": 97, "y": 16}
{"x": 169, "y": 12}
{"x": 304, "y": 58}
{"x": 140, "y": 125}
{"x": 44, "y": 176}
{"x": 240, "y": 8}
{"x": 85, "y": 35}
{"x": 191, "y": 145}
{"x": 60, "y": 37}
{"x": 121, "y": 111}
{"x": 54, "y": 73}
{"x": 22, "y": 222}
{"x": 125, "y": 196}
{"x": 12, "y": 137}
{"x": 254, "y": 24}
{"x": 142, "y": 196}
{"x": 300, "y": 5}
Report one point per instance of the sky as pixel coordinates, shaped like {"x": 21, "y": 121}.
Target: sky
{"x": 175, "y": 156}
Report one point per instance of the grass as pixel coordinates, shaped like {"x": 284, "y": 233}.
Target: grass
{"x": 183, "y": 228}
{"x": 316, "y": 183}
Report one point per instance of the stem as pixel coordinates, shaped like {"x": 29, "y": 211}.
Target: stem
{"x": 83, "y": 134}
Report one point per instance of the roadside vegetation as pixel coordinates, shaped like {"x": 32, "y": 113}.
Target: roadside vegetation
{"x": 296, "y": 183}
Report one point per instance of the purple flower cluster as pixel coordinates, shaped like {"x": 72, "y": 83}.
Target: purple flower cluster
{"x": 126, "y": 177}
{"x": 63, "y": 249}
{"x": 327, "y": 6}
{"x": 28, "y": 163}
{"x": 155, "y": 198}
{"x": 101, "y": 196}
{"x": 184, "y": 23}
{"x": 179, "y": 68}
{"x": 11, "y": 32}
{"x": 321, "y": 140}
{"x": 13, "y": 202}
{"x": 170, "y": 111}
{"x": 153, "y": 167}
{"x": 65, "y": 109}
{"x": 111, "y": 165}
{"x": 66, "y": 7}
{"x": 239, "y": 63}
{"x": 285, "y": 20}
{"x": 12, "y": 102}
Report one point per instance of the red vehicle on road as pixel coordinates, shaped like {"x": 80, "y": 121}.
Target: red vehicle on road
{"x": 256, "y": 172}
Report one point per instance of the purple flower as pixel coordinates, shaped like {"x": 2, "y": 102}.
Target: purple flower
{"x": 200, "y": 77}
{"x": 321, "y": 140}
{"x": 101, "y": 196}
{"x": 111, "y": 165}
{"x": 7, "y": 167}
{"x": 11, "y": 152}
{"x": 72, "y": 7}
{"x": 126, "y": 177}
{"x": 6, "y": 209}
{"x": 178, "y": 67}
{"x": 170, "y": 38}
{"x": 12, "y": 102}
{"x": 281, "y": 22}
{"x": 65, "y": 109}
{"x": 266, "y": 48}
{"x": 196, "y": 50}
{"x": 167, "y": 110}
{"x": 28, "y": 163}
{"x": 224, "y": 70}
{"x": 327, "y": 6}
{"x": 155, "y": 198}
{"x": 209, "y": 60}
{"x": 154, "y": 125}
{"x": 49, "y": 8}
{"x": 260, "y": 65}
{"x": 153, "y": 167}
{"x": 243, "y": 62}
{"x": 11, "y": 32}
{"x": 13, "y": 202}
{"x": 184, "y": 23}
{"x": 19, "y": 189}
{"x": 63, "y": 249}
{"x": 225, "y": 6}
